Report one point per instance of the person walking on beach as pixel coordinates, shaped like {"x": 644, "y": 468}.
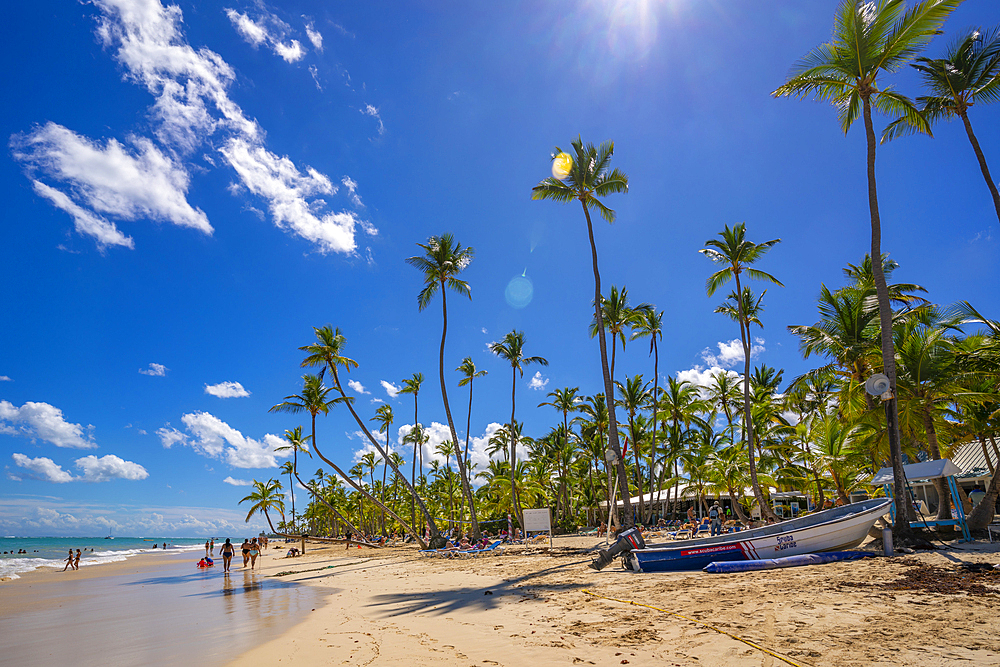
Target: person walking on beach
{"x": 76, "y": 560}
{"x": 254, "y": 552}
{"x": 211, "y": 547}
{"x": 207, "y": 545}
{"x": 245, "y": 548}
{"x": 227, "y": 555}
{"x": 69, "y": 561}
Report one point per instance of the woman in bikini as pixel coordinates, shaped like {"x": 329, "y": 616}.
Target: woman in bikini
{"x": 227, "y": 555}
{"x": 254, "y": 551}
{"x": 245, "y": 548}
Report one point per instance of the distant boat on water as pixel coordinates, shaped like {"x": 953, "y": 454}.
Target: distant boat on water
{"x": 109, "y": 538}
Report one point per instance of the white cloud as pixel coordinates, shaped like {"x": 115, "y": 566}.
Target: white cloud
{"x": 731, "y": 353}
{"x": 537, "y": 381}
{"x": 192, "y": 103}
{"x": 357, "y": 386}
{"x": 249, "y": 30}
{"x": 373, "y": 111}
{"x": 42, "y": 421}
{"x": 226, "y": 390}
{"x": 390, "y": 388}
{"x": 288, "y": 190}
{"x": 4, "y": 378}
{"x": 43, "y": 468}
{"x": 314, "y": 72}
{"x": 237, "y": 482}
{"x": 267, "y": 29}
{"x": 86, "y": 223}
{"x": 109, "y": 467}
{"x": 315, "y": 36}
{"x": 156, "y": 370}
{"x": 210, "y": 436}
{"x": 291, "y": 52}
{"x": 140, "y": 182}
{"x": 352, "y": 190}
{"x": 702, "y": 377}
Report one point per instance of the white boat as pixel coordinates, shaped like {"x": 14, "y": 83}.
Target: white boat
{"x": 829, "y": 530}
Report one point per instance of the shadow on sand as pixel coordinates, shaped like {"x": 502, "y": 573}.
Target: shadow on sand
{"x": 447, "y": 600}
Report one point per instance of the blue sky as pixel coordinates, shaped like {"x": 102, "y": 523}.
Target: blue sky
{"x": 190, "y": 188}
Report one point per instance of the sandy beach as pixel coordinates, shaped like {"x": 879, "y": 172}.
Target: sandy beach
{"x": 530, "y": 605}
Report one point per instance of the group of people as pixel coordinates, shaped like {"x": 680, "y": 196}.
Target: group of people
{"x": 72, "y": 561}
{"x": 251, "y": 549}
{"x": 19, "y": 552}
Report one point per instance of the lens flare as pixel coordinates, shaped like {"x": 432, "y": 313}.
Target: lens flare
{"x": 561, "y": 166}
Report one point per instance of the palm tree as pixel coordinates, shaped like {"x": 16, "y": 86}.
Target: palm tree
{"x": 649, "y": 323}
{"x": 469, "y": 373}
{"x": 266, "y": 496}
{"x": 443, "y": 259}
{"x": 384, "y": 418}
{"x": 735, "y": 254}
{"x": 591, "y": 177}
{"x": 313, "y": 400}
{"x": 327, "y": 351}
{"x": 565, "y": 401}
{"x": 287, "y": 468}
{"x": 617, "y": 314}
{"x": 969, "y": 74}
{"x": 633, "y": 396}
{"x": 411, "y": 385}
{"x": 870, "y": 38}
{"x": 511, "y": 350}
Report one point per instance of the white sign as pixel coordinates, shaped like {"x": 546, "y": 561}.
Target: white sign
{"x": 537, "y": 520}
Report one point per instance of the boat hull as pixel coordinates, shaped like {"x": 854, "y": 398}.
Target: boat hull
{"x": 830, "y": 530}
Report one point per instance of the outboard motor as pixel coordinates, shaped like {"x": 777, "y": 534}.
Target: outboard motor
{"x": 627, "y": 540}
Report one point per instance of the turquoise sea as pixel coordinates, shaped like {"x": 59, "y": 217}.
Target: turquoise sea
{"x": 52, "y": 551}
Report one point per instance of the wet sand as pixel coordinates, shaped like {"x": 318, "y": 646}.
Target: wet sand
{"x": 153, "y": 609}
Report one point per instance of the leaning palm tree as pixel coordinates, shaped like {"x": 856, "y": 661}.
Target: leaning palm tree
{"x": 469, "y": 373}
{"x": 590, "y": 176}
{"x": 969, "y": 74}
{"x": 735, "y": 254}
{"x": 297, "y": 443}
{"x": 511, "y": 350}
{"x": 443, "y": 259}
{"x": 327, "y": 351}
{"x": 266, "y": 496}
{"x": 869, "y": 38}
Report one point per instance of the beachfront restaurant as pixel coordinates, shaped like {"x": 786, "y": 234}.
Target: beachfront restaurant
{"x": 661, "y": 504}
{"x": 971, "y": 459}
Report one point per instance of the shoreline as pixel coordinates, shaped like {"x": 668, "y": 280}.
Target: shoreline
{"x": 160, "y": 610}
{"x": 529, "y": 605}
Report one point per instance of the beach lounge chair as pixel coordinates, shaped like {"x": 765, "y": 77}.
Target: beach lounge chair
{"x": 492, "y": 550}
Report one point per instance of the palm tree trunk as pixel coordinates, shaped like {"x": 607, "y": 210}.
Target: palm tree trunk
{"x": 982, "y": 514}
{"x": 466, "y": 489}
{"x": 901, "y": 526}
{"x": 330, "y": 507}
{"x": 982, "y": 163}
{"x": 609, "y": 389}
{"x": 765, "y": 509}
{"x": 515, "y": 497}
{"x": 413, "y": 467}
{"x": 652, "y": 444}
{"x": 385, "y": 457}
